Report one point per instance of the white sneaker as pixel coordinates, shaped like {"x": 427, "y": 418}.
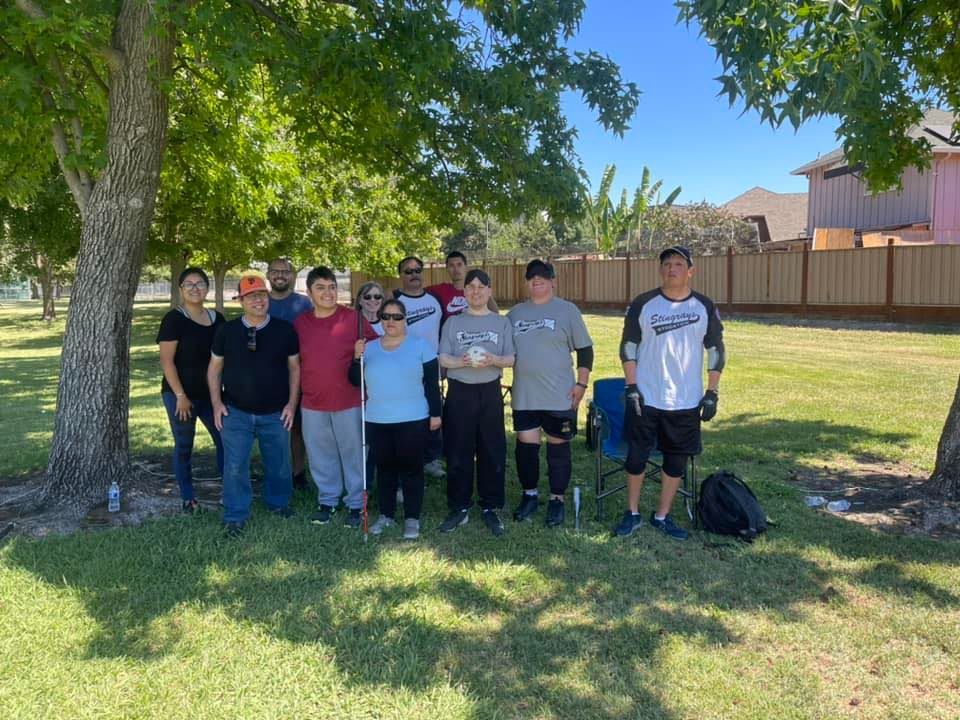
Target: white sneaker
{"x": 380, "y": 524}
{"x": 434, "y": 469}
{"x": 411, "y": 529}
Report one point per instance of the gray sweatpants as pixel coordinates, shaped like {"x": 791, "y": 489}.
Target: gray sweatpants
{"x": 335, "y": 454}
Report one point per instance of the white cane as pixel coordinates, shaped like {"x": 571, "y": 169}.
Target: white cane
{"x": 363, "y": 442}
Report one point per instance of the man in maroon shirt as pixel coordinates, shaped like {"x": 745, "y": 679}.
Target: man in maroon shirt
{"x": 330, "y": 404}
{"x": 450, "y": 294}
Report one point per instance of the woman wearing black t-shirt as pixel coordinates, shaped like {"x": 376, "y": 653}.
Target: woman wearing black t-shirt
{"x": 185, "y": 337}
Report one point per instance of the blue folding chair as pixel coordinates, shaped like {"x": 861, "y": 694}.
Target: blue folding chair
{"x": 605, "y": 424}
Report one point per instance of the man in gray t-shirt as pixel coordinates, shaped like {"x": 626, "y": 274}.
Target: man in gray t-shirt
{"x": 546, "y": 394}
{"x": 474, "y": 347}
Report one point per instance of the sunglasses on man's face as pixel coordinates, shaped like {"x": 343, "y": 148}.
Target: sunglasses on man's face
{"x": 413, "y": 271}
{"x": 252, "y": 339}
{"x": 392, "y": 316}
{"x": 373, "y": 297}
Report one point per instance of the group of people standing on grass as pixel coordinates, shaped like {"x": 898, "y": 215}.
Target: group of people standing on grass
{"x": 293, "y": 371}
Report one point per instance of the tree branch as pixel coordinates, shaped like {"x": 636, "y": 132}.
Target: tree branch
{"x": 262, "y": 8}
{"x": 35, "y": 12}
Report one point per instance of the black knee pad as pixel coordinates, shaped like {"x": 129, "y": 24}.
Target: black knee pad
{"x": 559, "y": 467}
{"x": 528, "y": 464}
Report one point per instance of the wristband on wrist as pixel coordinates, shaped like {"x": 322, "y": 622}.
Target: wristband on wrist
{"x": 583, "y": 385}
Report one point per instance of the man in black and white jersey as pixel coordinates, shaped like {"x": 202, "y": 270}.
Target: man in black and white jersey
{"x": 664, "y": 336}
{"x": 423, "y": 320}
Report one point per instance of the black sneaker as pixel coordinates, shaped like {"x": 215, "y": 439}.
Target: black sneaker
{"x": 322, "y": 515}
{"x": 233, "y": 529}
{"x": 493, "y": 522}
{"x": 667, "y": 527}
{"x": 527, "y": 507}
{"x": 555, "y": 513}
{"x": 353, "y": 518}
{"x": 629, "y": 523}
{"x": 455, "y": 519}
{"x": 284, "y": 512}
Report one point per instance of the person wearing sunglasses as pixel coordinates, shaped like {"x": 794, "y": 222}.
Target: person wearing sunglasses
{"x": 330, "y": 404}
{"x": 546, "y": 391}
{"x": 424, "y": 314}
{"x": 402, "y": 376}
{"x": 287, "y": 304}
{"x": 474, "y": 347}
{"x": 185, "y": 336}
{"x": 369, "y": 299}
{"x": 254, "y": 381}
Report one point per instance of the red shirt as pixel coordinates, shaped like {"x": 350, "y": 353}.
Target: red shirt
{"x": 452, "y": 301}
{"x": 326, "y": 351}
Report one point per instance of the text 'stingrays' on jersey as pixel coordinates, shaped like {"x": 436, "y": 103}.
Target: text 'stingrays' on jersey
{"x": 667, "y": 339}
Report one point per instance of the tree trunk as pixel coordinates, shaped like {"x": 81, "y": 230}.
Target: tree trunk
{"x": 945, "y": 480}
{"x": 34, "y": 290}
{"x": 219, "y": 277}
{"x": 90, "y": 438}
{"x": 46, "y": 288}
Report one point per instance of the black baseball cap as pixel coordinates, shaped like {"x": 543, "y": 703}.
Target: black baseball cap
{"x": 539, "y": 268}
{"x": 677, "y": 250}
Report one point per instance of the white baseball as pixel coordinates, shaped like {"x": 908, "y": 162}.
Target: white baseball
{"x": 476, "y": 354}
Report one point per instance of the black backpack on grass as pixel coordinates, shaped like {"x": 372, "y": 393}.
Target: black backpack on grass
{"x": 728, "y": 507}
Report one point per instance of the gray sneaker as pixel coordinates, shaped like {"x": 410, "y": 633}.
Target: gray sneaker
{"x": 380, "y": 524}
{"x": 434, "y": 469}
{"x": 411, "y": 529}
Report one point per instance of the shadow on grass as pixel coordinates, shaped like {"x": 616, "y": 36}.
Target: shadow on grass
{"x": 542, "y": 622}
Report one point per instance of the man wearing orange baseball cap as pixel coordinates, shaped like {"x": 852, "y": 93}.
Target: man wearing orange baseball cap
{"x": 254, "y": 380}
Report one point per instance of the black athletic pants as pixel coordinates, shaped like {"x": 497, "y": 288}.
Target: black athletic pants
{"x": 474, "y": 436}
{"x": 398, "y": 451}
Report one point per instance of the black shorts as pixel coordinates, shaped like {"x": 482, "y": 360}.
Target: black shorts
{"x": 675, "y": 433}
{"x": 555, "y": 423}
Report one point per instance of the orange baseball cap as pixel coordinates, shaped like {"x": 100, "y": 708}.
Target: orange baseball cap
{"x": 251, "y": 284}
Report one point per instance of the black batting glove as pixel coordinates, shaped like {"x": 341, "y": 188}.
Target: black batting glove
{"x": 708, "y": 406}
{"x": 634, "y": 398}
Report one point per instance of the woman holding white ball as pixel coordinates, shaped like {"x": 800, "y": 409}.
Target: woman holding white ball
{"x": 474, "y": 347}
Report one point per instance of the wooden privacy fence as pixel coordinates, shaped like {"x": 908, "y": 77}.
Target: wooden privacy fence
{"x": 901, "y": 283}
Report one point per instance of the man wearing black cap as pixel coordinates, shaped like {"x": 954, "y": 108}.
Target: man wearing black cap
{"x": 546, "y": 394}
{"x": 664, "y": 336}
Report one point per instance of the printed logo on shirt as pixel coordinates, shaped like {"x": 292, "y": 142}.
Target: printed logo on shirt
{"x": 668, "y": 323}
{"x": 415, "y": 316}
{"x": 469, "y": 339}
{"x": 457, "y": 305}
{"x": 524, "y": 326}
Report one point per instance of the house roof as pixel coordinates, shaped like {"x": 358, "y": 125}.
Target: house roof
{"x": 936, "y": 127}
{"x": 785, "y": 214}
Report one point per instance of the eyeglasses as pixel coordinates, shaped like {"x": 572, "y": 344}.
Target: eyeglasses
{"x": 392, "y": 316}
{"x": 413, "y": 271}
{"x": 252, "y": 339}
{"x": 194, "y": 285}
{"x": 373, "y": 297}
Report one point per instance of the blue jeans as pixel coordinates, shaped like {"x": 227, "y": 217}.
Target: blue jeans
{"x": 240, "y": 429}
{"x": 183, "y": 434}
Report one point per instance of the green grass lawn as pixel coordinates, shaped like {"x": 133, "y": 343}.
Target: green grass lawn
{"x": 821, "y": 618}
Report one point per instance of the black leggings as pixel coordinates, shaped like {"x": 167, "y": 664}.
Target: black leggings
{"x": 398, "y": 452}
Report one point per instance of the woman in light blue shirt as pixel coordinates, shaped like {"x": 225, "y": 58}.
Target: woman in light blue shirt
{"x": 402, "y": 375}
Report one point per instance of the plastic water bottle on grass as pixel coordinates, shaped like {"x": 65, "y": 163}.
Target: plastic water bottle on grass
{"x": 113, "y": 497}
{"x": 838, "y": 506}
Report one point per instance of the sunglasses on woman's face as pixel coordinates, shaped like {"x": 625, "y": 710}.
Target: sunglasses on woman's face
{"x": 392, "y": 316}
{"x": 252, "y": 339}
{"x": 373, "y": 297}
{"x": 413, "y": 271}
